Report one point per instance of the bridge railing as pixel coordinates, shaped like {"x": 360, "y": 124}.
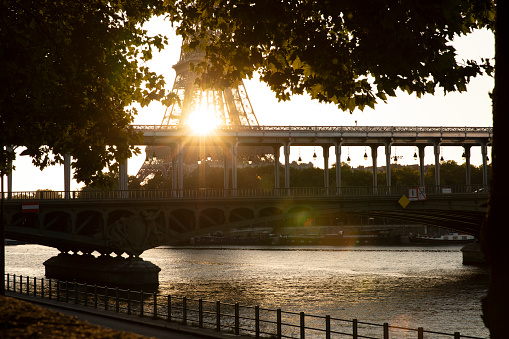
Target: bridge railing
{"x": 210, "y": 193}
{"x": 364, "y": 129}
{"x": 219, "y": 316}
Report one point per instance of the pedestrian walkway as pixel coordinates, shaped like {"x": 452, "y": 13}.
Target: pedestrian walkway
{"x": 123, "y": 322}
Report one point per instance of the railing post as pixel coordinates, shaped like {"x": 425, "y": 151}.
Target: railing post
{"x": 58, "y": 290}
{"x": 420, "y": 333}
{"x": 117, "y": 302}
{"x": 75, "y": 292}
{"x": 218, "y": 316}
{"x": 85, "y": 295}
{"x": 20, "y": 284}
{"x": 302, "y": 325}
{"x": 155, "y": 305}
{"x": 42, "y": 288}
{"x": 14, "y": 283}
{"x": 50, "y": 282}
{"x": 237, "y": 319}
{"x": 184, "y": 310}
{"x": 141, "y": 304}
{"x": 35, "y": 287}
{"x": 200, "y": 313}
{"x": 169, "y": 308}
{"x": 106, "y": 298}
{"x": 457, "y": 335}
{"x": 354, "y": 329}
{"x": 386, "y": 331}
{"x": 257, "y": 321}
{"x": 8, "y": 277}
{"x": 278, "y": 323}
{"x": 327, "y": 327}
{"x": 28, "y": 285}
{"x": 129, "y": 301}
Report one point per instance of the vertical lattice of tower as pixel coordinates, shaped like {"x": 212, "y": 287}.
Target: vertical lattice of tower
{"x": 229, "y": 106}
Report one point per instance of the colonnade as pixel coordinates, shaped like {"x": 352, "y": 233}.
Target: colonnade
{"x": 231, "y": 153}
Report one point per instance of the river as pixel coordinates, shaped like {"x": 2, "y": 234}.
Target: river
{"x": 409, "y": 286}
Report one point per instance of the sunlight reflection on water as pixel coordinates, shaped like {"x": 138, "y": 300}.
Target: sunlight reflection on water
{"x": 405, "y": 286}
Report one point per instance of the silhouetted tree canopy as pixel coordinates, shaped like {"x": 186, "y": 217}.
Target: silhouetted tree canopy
{"x": 70, "y": 71}
{"x": 347, "y": 52}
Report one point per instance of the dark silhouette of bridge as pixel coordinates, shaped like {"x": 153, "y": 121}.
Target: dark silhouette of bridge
{"x": 133, "y": 221}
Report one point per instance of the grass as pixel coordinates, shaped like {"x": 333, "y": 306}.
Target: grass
{"x": 20, "y": 319}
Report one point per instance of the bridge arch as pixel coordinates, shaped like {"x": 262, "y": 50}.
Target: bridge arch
{"x": 241, "y": 213}
{"x": 88, "y": 223}
{"x": 270, "y": 211}
{"x": 211, "y": 217}
{"x": 57, "y": 221}
{"x": 115, "y": 215}
{"x": 29, "y": 220}
{"x": 181, "y": 220}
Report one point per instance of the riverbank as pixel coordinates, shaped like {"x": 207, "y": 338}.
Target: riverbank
{"x": 21, "y": 319}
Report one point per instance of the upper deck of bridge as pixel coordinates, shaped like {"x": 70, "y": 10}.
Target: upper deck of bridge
{"x": 323, "y": 135}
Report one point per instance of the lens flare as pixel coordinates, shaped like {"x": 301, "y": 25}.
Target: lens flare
{"x": 202, "y": 121}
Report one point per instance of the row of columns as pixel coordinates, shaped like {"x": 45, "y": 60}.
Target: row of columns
{"x": 231, "y": 152}
{"x": 230, "y": 162}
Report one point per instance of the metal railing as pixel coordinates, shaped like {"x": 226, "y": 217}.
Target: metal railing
{"x": 215, "y": 315}
{"x": 363, "y": 129}
{"x": 206, "y": 193}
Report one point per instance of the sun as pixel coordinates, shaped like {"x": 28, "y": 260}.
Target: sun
{"x": 202, "y": 121}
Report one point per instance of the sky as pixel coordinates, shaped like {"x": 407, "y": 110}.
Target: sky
{"x": 470, "y": 108}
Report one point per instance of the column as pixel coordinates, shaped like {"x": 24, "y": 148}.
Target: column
{"x": 9, "y": 175}
{"x": 337, "y": 150}
{"x": 484, "y": 153}
{"x": 466, "y": 149}
{"x": 286, "y": 149}
{"x": 67, "y": 176}
{"x": 122, "y": 176}
{"x": 436, "y": 148}
{"x": 374, "y": 155}
{"x": 388, "y": 165}
{"x": 421, "y": 163}
{"x": 180, "y": 168}
{"x": 174, "y": 170}
{"x": 326, "y": 168}
{"x": 276, "y": 167}
{"x": 9, "y": 182}
{"x": 235, "y": 148}
{"x": 226, "y": 168}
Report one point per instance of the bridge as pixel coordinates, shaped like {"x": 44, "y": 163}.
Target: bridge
{"x": 120, "y": 221}
{"x": 232, "y": 138}
{"x": 133, "y": 221}
{"x": 130, "y": 222}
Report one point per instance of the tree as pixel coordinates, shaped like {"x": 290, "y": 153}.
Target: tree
{"x": 71, "y": 72}
{"x": 351, "y": 54}
{"x": 404, "y": 176}
{"x": 342, "y": 52}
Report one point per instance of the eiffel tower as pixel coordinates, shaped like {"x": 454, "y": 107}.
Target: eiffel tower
{"x": 230, "y": 106}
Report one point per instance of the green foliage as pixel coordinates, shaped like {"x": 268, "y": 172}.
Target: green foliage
{"x": 405, "y": 176}
{"x": 71, "y": 71}
{"x": 340, "y": 51}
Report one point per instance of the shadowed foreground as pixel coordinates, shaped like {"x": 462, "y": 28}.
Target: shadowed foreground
{"x": 20, "y": 319}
